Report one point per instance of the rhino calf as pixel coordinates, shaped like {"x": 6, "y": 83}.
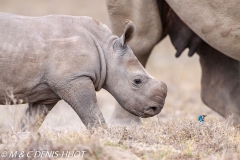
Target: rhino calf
{"x": 46, "y": 59}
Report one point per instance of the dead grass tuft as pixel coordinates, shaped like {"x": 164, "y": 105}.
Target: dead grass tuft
{"x": 176, "y": 139}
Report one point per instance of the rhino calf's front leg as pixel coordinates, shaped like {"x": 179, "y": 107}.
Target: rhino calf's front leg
{"x": 81, "y": 96}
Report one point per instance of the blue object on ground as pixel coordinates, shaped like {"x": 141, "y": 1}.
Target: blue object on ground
{"x": 201, "y": 118}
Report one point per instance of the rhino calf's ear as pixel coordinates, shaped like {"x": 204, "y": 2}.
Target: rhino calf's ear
{"x": 128, "y": 33}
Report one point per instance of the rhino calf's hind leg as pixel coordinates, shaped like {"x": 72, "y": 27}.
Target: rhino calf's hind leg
{"x": 35, "y": 115}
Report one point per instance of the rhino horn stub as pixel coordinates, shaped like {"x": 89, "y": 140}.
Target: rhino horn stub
{"x": 128, "y": 33}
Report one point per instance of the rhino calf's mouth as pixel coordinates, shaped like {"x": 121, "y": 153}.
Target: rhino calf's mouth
{"x": 152, "y": 111}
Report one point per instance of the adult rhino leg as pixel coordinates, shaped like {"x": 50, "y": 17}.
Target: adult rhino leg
{"x": 220, "y": 74}
{"x": 145, "y": 15}
{"x": 35, "y": 115}
{"x": 120, "y": 115}
{"x": 220, "y": 82}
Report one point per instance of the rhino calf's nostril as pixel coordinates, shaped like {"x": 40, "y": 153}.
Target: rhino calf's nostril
{"x": 153, "y": 108}
{"x": 151, "y": 111}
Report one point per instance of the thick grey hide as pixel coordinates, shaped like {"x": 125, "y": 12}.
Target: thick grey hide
{"x": 45, "y": 59}
{"x": 196, "y": 25}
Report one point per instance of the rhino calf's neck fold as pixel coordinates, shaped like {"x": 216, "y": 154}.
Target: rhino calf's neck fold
{"x": 46, "y": 59}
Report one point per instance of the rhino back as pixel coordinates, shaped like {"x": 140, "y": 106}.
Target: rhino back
{"x": 34, "y": 49}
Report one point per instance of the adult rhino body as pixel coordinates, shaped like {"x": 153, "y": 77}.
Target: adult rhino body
{"x": 220, "y": 71}
{"x": 46, "y": 59}
{"x": 218, "y": 24}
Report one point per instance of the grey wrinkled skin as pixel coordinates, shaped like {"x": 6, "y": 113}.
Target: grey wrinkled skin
{"x": 46, "y": 59}
{"x": 208, "y": 25}
{"x": 218, "y": 24}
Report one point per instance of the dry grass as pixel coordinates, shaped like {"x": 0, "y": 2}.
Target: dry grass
{"x": 172, "y": 137}
{"x": 176, "y": 139}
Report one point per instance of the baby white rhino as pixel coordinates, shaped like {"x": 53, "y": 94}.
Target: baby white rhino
{"x": 46, "y": 59}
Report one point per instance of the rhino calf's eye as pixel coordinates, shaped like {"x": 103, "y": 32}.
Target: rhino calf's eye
{"x": 137, "y": 81}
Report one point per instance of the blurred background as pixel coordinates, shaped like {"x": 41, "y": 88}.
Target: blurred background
{"x": 182, "y": 75}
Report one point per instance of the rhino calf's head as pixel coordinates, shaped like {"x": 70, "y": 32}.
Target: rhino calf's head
{"x": 127, "y": 80}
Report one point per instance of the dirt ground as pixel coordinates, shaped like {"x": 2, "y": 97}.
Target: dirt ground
{"x": 182, "y": 75}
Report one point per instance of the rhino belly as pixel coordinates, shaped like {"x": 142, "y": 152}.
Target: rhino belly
{"x": 20, "y": 94}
